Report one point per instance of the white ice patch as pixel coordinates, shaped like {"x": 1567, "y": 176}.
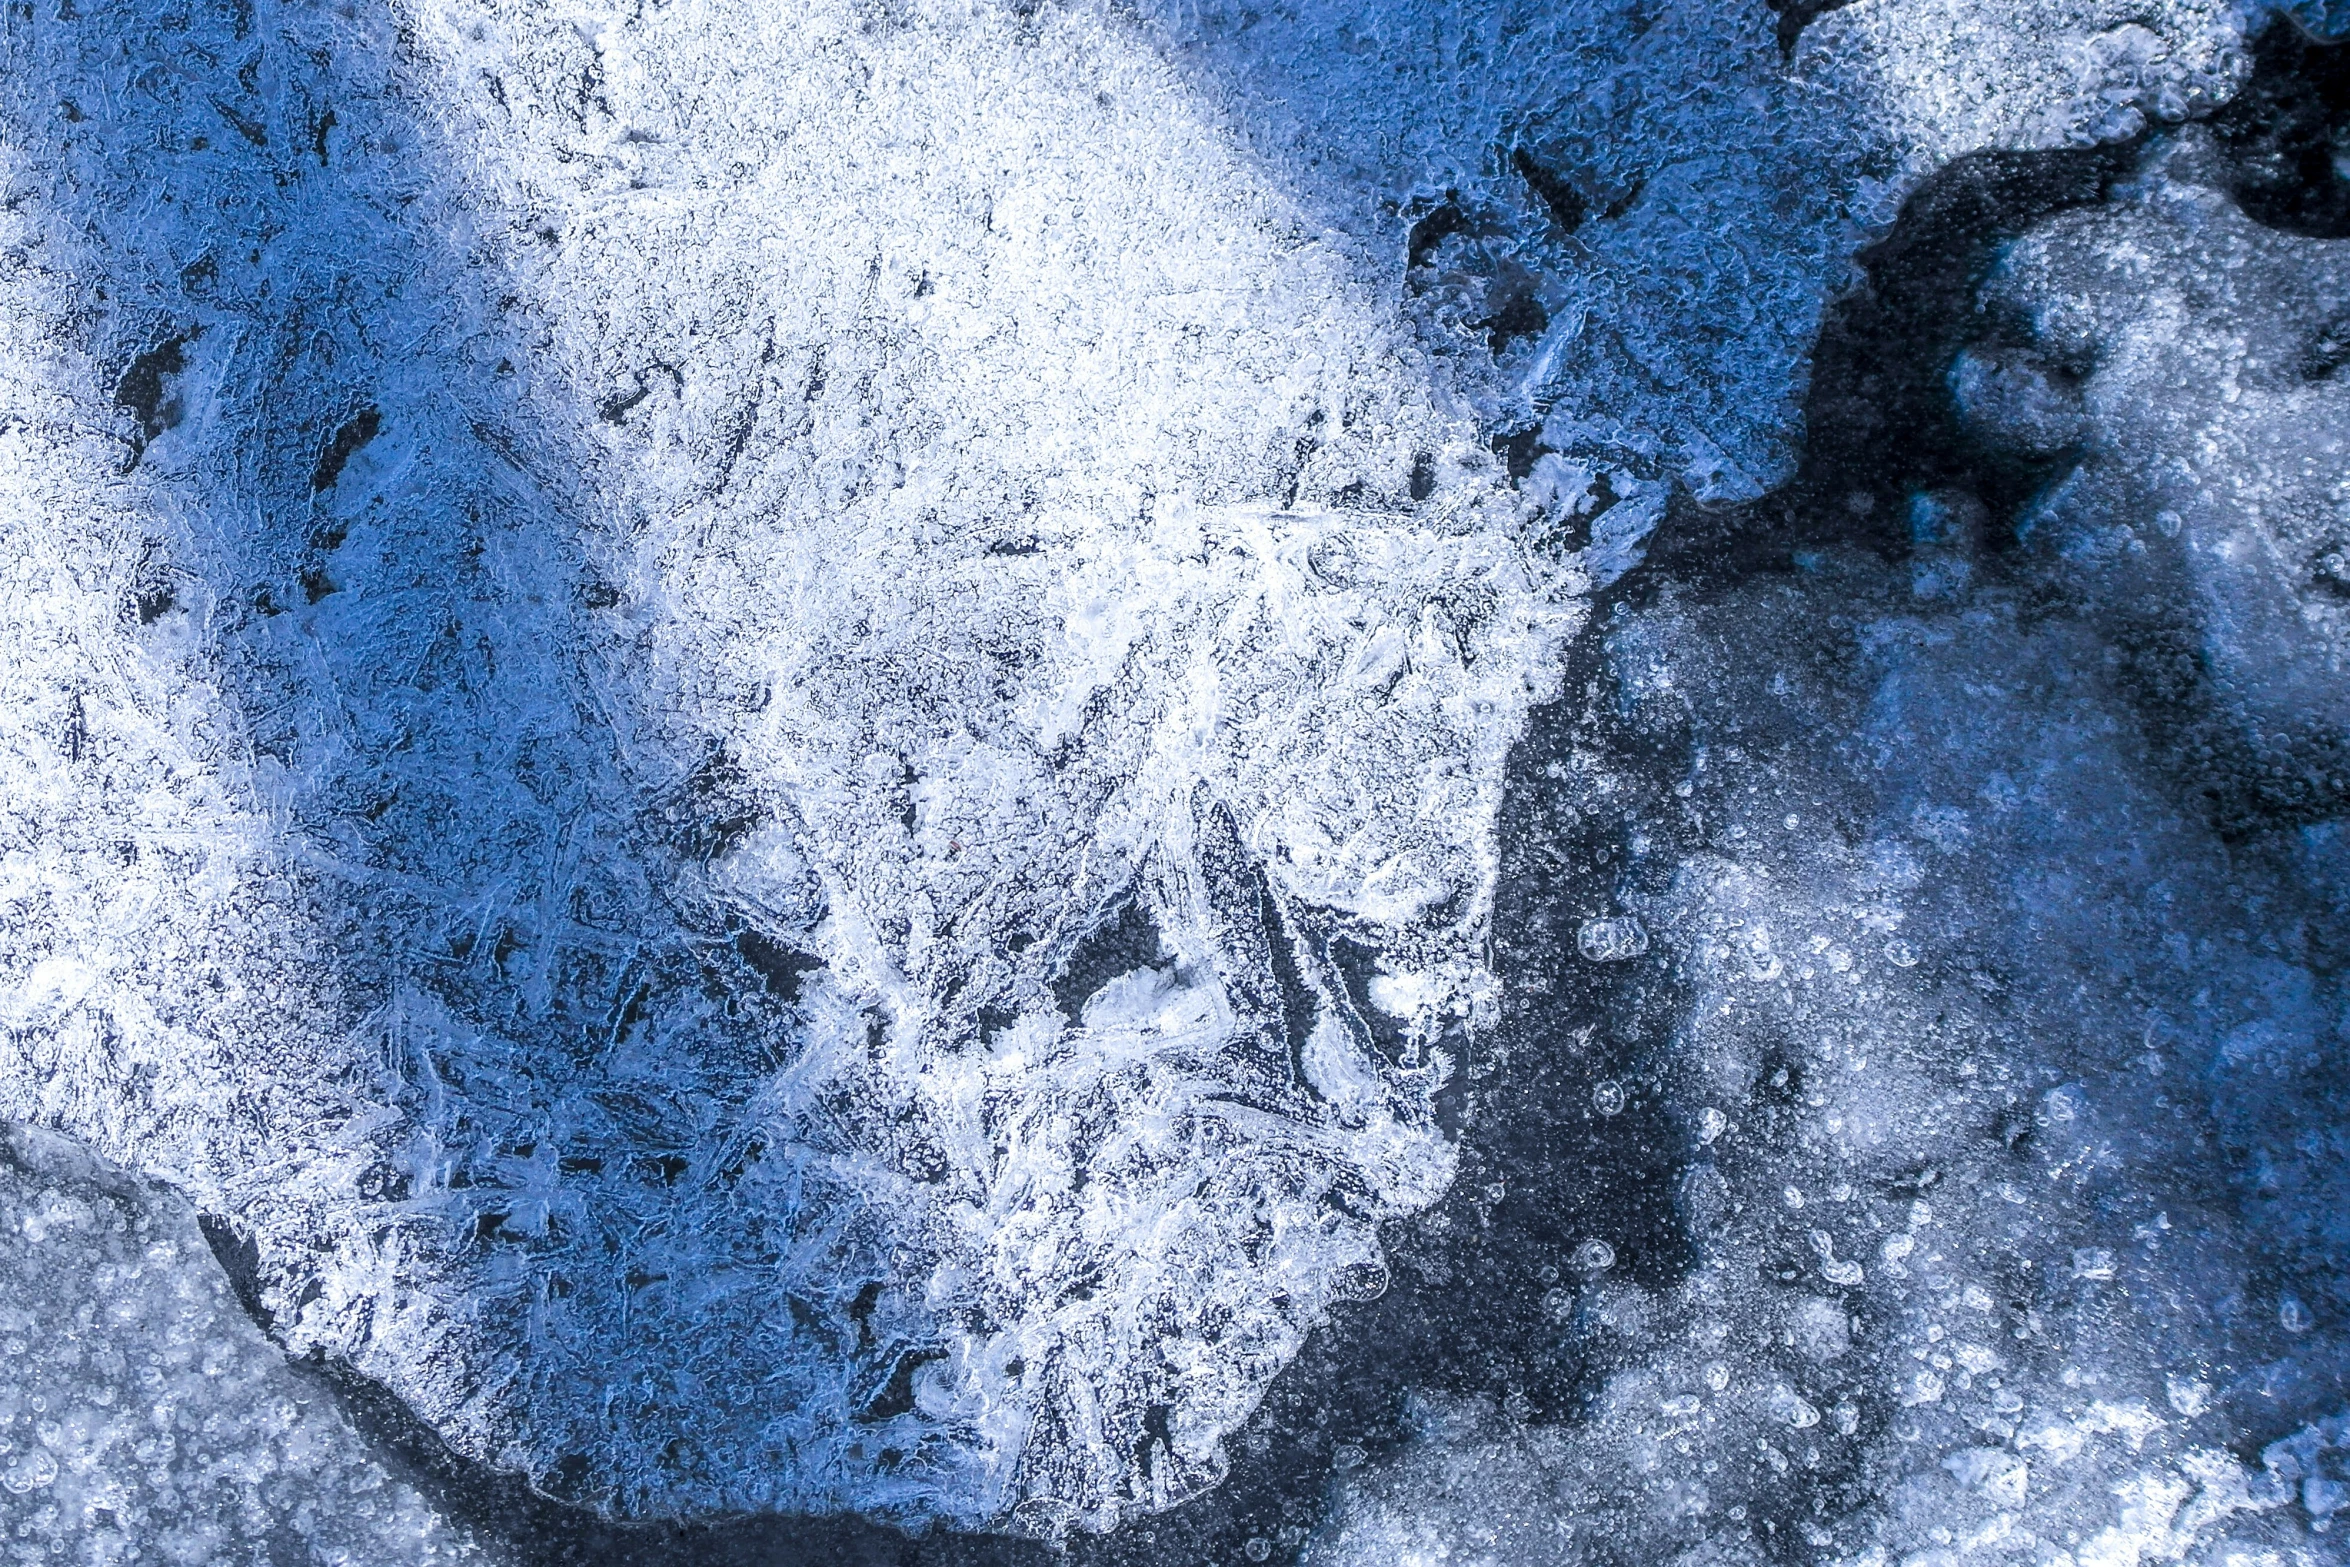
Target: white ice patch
{"x": 715, "y": 711}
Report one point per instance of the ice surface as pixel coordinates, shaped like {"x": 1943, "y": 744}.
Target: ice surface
{"x": 724, "y": 748}
{"x": 773, "y": 736}
{"x": 143, "y": 1417}
{"x": 2211, "y": 431}
{"x": 1999, "y": 1026}
{"x": 1645, "y": 206}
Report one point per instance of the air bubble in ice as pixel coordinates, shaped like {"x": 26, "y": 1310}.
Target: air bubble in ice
{"x": 32, "y": 1471}
{"x": 1612, "y": 940}
{"x": 1607, "y": 1097}
{"x": 1595, "y": 1256}
{"x": 2292, "y": 1316}
{"x": 1975, "y": 1359}
{"x": 1900, "y": 953}
{"x": 1924, "y": 1388}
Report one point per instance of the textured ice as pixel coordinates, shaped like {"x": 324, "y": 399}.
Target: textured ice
{"x": 143, "y": 1417}
{"x": 2001, "y": 1022}
{"x": 772, "y": 736}
{"x": 1625, "y": 216}
{"x": 735, "y": 765}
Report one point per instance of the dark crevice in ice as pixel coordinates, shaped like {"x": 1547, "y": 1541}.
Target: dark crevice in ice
{"x": 355, "y": 432}
{"x": 1127, "y": 941}
{"x": 1796, "y": 15}
{"x": 240, "y": 1259}
{"x": 1432, "y": 229}
{"x": 144, "y": 390}
{"x": 779, "y": 966}
{"x": 1568, "y": 206}
{"x": 2287, "y": 133}
{"x": 1879, "y": 420}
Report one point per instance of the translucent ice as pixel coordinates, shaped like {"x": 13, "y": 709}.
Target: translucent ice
{"x": 772, "y": 734}
{"x": 143, "y": 1417}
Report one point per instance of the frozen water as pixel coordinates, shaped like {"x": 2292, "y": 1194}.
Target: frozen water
{"x": 775, "y": 739}
{"x": 1998, "y": 1020}
{"x": 789, "y": 830}
{"x": 143, "y": 1417}
{"x": 1622, "y": 218}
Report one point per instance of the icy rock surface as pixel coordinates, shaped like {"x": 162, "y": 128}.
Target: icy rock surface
{"x": 2007, "y": 1087}
{"x": 143, "y": 1417}
{"x": 734, "y": 754}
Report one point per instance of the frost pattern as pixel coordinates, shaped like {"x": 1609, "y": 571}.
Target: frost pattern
{"x": 1624, "y": 218}
{"x": 774, "y": 737}
{"x": 791, "y": 830}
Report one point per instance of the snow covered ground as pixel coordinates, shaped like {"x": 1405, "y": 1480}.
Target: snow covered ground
{"x": 803, "y": 753}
